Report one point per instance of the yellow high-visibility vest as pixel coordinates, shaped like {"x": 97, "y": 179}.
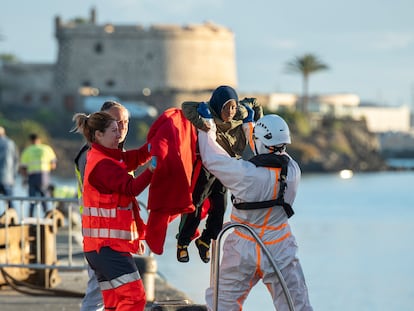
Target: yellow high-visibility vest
{"x": 38, "y": 158}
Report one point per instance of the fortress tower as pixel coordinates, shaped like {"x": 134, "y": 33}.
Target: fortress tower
{"x": 161, "y": 65}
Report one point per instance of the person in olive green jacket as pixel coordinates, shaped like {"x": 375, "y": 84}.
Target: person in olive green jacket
{"x": 228, "y": 114}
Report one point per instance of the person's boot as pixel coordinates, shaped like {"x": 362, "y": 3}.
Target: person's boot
{"x": 203, "y": 250}
{"x": 182, "y": 253}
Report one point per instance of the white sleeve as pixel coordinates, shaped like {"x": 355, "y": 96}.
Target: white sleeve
{"x": 234, "y": 174}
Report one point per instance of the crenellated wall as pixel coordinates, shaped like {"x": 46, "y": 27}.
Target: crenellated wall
{"x": 123, "y": 61}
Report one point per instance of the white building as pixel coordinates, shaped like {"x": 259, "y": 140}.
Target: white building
{"x": 379, "y": 119}
{"x": 334, "y": 104}
{"x": 384, "y": 119}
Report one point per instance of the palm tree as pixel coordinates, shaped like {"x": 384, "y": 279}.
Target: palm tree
{"x": 305, "y": 65}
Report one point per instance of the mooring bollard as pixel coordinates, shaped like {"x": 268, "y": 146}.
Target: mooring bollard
{"x": 147, "y": 267}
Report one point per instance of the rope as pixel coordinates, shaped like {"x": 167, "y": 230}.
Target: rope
{"x": 30, "y": 289}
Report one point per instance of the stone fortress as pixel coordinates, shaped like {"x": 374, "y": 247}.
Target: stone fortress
{"x": 160, "y": 66}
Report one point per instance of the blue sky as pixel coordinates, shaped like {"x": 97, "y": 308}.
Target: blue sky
{"x": 368, "y": 45}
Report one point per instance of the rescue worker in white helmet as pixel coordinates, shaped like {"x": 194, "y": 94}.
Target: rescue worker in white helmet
{"x": 263, "y": 190}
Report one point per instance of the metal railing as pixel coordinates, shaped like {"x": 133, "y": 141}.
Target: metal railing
{"x": 215, "y": 265}
{"x": 61, "y": 214}
{"x": 34, "y": 249}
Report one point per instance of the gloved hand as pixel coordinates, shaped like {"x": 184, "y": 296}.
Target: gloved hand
{"x": 250, "y": 113}
{"x": 204, "y": 111}
{"x": 153, "y": 163}
{"x": 251, "y": 101}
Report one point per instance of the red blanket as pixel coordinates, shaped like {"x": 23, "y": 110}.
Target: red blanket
{"x": 173, "y": 141}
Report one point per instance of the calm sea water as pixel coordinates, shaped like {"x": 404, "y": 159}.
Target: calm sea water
{"x": 356, "y": 245}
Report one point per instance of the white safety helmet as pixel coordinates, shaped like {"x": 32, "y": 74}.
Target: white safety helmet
{"x": 270, "y": 131}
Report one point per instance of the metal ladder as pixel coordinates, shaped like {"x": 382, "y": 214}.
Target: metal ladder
{"x": 214, "y": 274}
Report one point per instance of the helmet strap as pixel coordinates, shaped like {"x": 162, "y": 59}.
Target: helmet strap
{"x": 279, "y": 148}
{"x": 272, "y": 149}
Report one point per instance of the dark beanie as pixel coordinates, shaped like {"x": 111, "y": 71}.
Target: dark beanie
{"x": 220, "y": 96}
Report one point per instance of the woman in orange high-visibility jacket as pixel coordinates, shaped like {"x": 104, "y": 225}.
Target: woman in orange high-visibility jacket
{"x": 111, "y": 225}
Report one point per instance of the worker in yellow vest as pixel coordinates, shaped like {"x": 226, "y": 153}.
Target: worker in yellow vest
{"x": 65, "y": 192}
{"x": 36, "y": 163}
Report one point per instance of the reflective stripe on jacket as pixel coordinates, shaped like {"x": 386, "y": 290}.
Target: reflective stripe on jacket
{"x": 107, "y": 219}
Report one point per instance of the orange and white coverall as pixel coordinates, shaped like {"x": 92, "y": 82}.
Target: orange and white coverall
{"x": 244, "y": 263}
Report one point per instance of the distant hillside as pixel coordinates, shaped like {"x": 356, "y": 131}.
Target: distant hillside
{"x": 337, "y": 145}
{"x": 332, "y": 146}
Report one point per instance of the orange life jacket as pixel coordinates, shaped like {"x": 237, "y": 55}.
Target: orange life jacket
{"x": 107, "y": 219}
